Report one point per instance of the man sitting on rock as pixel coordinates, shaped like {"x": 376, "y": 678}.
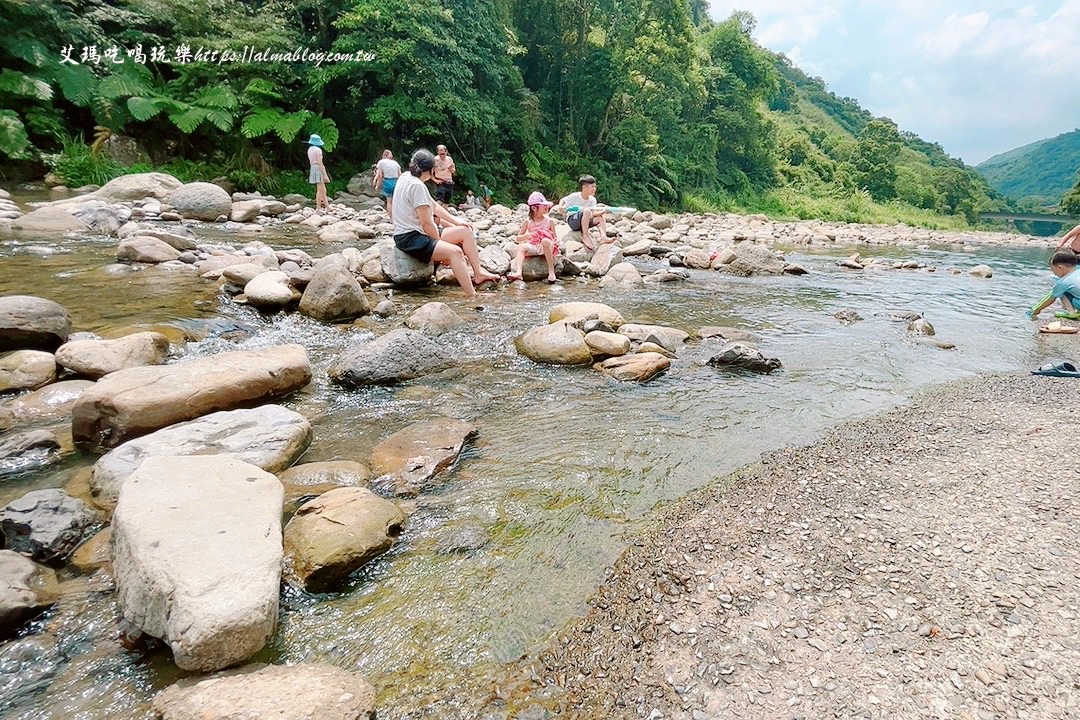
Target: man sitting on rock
{"x": 585, "y": 212}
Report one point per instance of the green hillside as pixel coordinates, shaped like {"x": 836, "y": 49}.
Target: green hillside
{"x": 1037, "y": 174}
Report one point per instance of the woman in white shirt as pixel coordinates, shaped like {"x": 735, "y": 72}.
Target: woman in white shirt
{"x": 387, "y": 172}
{"x": 318, "y": 175}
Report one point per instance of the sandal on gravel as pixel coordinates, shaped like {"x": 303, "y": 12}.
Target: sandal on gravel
{"x": 1056, "y": 328}
{"x": 1061, "y": 369}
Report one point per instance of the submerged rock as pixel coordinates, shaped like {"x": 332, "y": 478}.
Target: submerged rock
{"x": 45, "y": 524}
{"x": 133, "y": 402}
{"x": 921, "y": 326}
{"x": 639, "y": 367}
{"x": 419, "y": 452}
{"x": 434, "y": 319}
{"x": 26, "y": 589}
{"x": 204, "y": 580}
{"x": 271, "y": 692}
{"x": 47, "y": 403}
{"x": 337, "y": 533}
{"x": 744, "y": 357}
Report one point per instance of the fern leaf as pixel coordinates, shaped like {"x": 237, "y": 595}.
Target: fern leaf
{"x": 143, "y": 108}
{"x": 20, "y": 84}
{"x": 221, "y": 119}
{"x": 120, "y": 86}
{"x": 263, "y": 89}
{"x": 13, "y": 138}
{"x": 76, "y": 83}
{"x": 326, "y": 128}
{"x": 216, "y": 96}
{"x": 188, "y": 120}
{"x": 260, "y": 121}
{"x": 291, "y": 124}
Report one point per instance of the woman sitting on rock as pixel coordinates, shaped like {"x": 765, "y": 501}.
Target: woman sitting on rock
{"x": 415, "y": 231}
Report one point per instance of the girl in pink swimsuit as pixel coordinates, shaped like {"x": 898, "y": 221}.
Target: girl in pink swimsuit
{"x": 536, "y": 237}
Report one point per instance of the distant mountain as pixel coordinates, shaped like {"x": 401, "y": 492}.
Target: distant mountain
{"x": 1040, "y": 172}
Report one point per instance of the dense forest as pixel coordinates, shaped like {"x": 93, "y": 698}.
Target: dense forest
{"x": 1038, "y": 174}
{"x": 667, "y": 107}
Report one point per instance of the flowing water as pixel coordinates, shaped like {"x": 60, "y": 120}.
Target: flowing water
{"x": 567, "y": 467}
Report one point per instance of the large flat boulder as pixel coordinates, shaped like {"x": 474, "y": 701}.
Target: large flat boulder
{"x": 127, "y": 188}
{"x": 574, "y": 311}
{"x": 269, "y": 437}
{"x": 308, "y": 691}
{"x": 414, "y": 455}
{"x": 136, "y": 401}
{"x": 26, "y": 370}
{"x": 45, "y": 524}
{"x": 49, "y": 220}
{"x": 26, "y": 588}
{"x": 337, "y": 533}
{"x": 96, "y": 358}
{"x": 396, "y": 356}
{"x": 197, "y": 557}
{"x": 559, "y": 343}
{"x": 32, "y": 323}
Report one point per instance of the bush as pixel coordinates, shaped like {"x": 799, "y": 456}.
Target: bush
{"x": 77, "y": 165}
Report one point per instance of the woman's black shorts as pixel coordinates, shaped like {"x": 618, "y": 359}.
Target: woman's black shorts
{"x": 416, "y": 244}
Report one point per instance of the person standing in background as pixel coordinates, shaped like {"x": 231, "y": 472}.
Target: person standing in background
{"x": 387, "y": 172}
{"x": 443, "y": 175}
{"x": 318, "y": 176}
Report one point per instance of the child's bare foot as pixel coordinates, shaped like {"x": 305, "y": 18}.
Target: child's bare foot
{"x": 586, "y": 240}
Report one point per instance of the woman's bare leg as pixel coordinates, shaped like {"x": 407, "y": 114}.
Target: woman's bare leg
{"x": 450, "y": 254}
{"x": 463, "y": 237}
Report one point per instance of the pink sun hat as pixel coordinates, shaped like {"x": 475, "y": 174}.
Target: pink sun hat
{"x": 537, "y": 198}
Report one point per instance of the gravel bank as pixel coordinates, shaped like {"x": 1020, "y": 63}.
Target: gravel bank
{"x": 921, "y": 564}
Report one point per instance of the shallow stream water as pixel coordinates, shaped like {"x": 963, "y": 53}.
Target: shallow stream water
{"x": 567, "y": 467}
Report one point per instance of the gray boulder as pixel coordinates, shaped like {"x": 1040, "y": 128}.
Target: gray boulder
{"x": 271, "y": 692}
{"x": 269, "y": 291}
{"x": 203, "y": 579}
{"x": 26, "y": 370}
{"x": 269, "y": 437}
{"x": 399, "y": 355}
{"x": 101, "y": 216}
{"x": 495, "y": 260}
{"x": 45, "y": 524}
{"x": 49, "y": 220}
{"x": 31, "y": 450}
{"x": 606, "y": 255}
{"x": 752, "y": 259}
{"x": 743, "y": 357}
{"x": 401, "y": 268}
{"x": 32, "y": 322}
{"x": 434, "y": 319}
{"x": 333, "y": 294}
{"x": 96, "y": 358}
{"x": 200, "y": 201}
{"x": 26, "y": 588}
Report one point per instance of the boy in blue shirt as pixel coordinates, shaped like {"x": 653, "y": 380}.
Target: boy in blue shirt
{"x": 1067, "y": 286}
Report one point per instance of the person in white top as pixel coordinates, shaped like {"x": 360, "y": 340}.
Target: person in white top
{"x": 585, "y": 213}
{"x": 387, "y": 172}
{"x": 318, "y": 175}
{"x": 415, "y": 232}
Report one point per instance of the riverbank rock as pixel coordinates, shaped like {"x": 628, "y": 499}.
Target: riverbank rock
{"x": 557, "y": 343}
{"x": 434, "y": 319}
{"x": 623, "y": 275}
{"x": 417, "y": 453}
{"x": 45, "y": 524}
{"x": 607, "y": 255}
{"x": 337, "y": 533}
{"x": 145, "y": 249}
{"x": 981, "y": 271}
{"x": 200, "y": 201}
{"x": 96, "y": 358}
{"x": 402, "y": 268}
{"x": 574, "y": 311}
{"x": 667, "y": 337}
{"x": 607, "y": 343}
{"x": 334, "y": 295}
{"x": 308, "y": 691}
{"x": 753, "y": 259}
{"x": 26, "y": 589}
{"x": 128, "y": 188}
{"x": 49, "y": 402}
{"x": 26, "y": 370}
{"x": 269, "y": 437}
{"x": 32, "y": 323}
{"x": 269, "y": 291}
{"x": 744, "y": 357}
{"x": 921, "y": 326}
{"x": 396, "y": 356}
{"x": 639, "y": 367}
{"x": 204, "y": 580}
{"x": 135, "y": 401}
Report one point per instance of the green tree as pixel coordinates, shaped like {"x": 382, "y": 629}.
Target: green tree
{"x": 873, "y": 162}
{"x": 1070, "y": 203}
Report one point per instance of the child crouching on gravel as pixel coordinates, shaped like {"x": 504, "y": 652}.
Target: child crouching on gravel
{"x": 1066, "y": 288}
{"x": 536, "y": 237}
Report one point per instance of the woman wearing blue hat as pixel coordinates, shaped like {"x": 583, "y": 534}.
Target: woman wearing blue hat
{"x": 318, "y": 175}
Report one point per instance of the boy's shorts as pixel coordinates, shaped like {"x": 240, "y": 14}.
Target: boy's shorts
{"x": 574, "y": 221}
{"x": 443, "y": 192}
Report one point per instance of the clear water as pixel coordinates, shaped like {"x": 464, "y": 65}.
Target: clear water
{"x": 568, "y": 465}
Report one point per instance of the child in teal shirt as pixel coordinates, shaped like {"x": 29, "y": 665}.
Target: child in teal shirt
{"x": 1066, "y": 288}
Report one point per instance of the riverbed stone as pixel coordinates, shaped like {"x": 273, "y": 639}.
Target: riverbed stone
{"x": 434, "y": 319}
{"x": 32, "y": 323}
{"x": 639, "y": 367}
{"x": 145, "y": 249}
{"x": 96, "y": 358}
{"x": 744, "y": 356}
{"x": 607, "y": 343}
{"x": 753, "y": 259}
{"x": 128, "y": 188}
{"x": 495, "y": 260}
{"x": 203, "y": 580}
{"x": 622, "y": 275}
{"x": 26, "y": 588}
{"x": 668, "y": 337}
{"x": 101, "y": 216}
{"x": 269, "y": 437}
{"x": 981, "y": 271}
{"x": 245, "y": 210}
{"x": 574, "y": 311}
{"x": 308, "y": 691}
{"x": 49, "y": 220}
{"x": 20, "y": 452}
{"x": 45, "y": 524}
{"x": 334, "y": 295}
{"x": 240, "y": 275}
{"x": 26, "y": 370}
{"x": 180, "y": 238}
{"x": 399, "y": 355}
{"x": 200, "y": 201}
{"x": 557, "y": 343}
{"x": 402, "y": 268}
{"x": 95, "y": 553}
{"x": 136, "y": 401}
{"x": 49, "y": 402}
{"x": 269, "y": 291}
{"x": 414, "y": 455}
{"x": 312, "y": 479}
{"x": 607, "y": 255}
{"x": 921, "y": 326}
{"x": 337, "y": 533}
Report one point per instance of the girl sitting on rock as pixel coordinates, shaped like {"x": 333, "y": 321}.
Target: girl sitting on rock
{"x": 536, "y": 238}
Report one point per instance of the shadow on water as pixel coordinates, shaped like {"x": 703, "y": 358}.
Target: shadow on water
{"x": 567, "y": 467}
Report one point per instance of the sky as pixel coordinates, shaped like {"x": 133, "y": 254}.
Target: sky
{"x": 979, "y": 78}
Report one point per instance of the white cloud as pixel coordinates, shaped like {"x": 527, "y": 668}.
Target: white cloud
{"x": 796, "y": 28}
{"x": 954, "y": 33}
